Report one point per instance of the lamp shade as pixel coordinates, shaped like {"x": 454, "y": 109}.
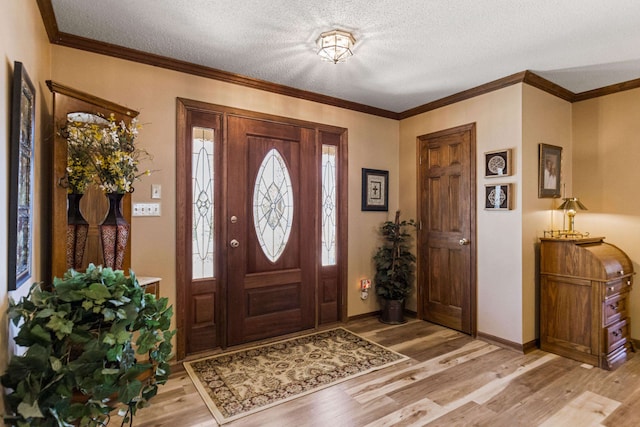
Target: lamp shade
{"x": 572, "y": 204}
{"x": 335, "y": 46}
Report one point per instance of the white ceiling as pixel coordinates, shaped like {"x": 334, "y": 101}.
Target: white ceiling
{"x": 407, "y": 53}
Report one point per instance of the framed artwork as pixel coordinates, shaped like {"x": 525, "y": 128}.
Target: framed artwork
{"x": 375, "y": 190}
{"x": 497, "y": 163}
{"x": 549, "y": 164}
{"x": 23, "y": 108}
{"x": 497, "y": 197}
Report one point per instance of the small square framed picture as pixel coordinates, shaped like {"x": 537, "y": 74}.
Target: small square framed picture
{"x": 497, "y": 197}
{"x": 497, "y": 163}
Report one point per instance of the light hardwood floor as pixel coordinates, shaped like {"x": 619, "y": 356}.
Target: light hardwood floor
{"x": 451, "y": 380}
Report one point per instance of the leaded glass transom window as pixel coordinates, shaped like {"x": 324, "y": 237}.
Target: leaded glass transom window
{"x": 329, "y": 227}
{"x": 273, "y": 205}
{"x": 203, "y": 203}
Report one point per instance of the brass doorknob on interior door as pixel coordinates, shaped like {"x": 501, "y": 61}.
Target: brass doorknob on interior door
{"x": 234, "y": 243}
{"x": 463, "y": 242}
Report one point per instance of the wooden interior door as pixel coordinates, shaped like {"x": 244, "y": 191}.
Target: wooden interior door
{"x": 271, "y": 279}
{"x": 446, "y": 242}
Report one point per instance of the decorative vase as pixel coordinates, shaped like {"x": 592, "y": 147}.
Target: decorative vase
{"x": 77, "y": 231}
{"x": 114, "y": 233}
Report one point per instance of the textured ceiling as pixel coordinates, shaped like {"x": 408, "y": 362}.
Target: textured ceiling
{"x": 408, "y": 52}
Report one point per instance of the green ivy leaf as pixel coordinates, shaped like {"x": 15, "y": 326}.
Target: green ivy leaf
{"x": 47, "y": 312}
{"x": 108, "y": 314}
{"x": 114, "y": 353}
{"x": 62, "y": 327}
{"x": 123, "y": 337}
{"x": 36, "y": 334}
{"x": 130, "y": 391}
{"x": 56, "y": 364}
{"x": 145, "y": 342}
{"x": 97, "y": 291}
{"x": 109, "y": 339}
{"x": 29, "y": 410}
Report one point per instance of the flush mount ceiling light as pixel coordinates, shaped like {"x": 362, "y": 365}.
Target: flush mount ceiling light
{"x": 335, "y": 46}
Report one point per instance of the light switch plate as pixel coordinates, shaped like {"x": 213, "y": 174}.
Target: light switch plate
{"x": 156, "y": 191}
{"x": 146, "y": 209}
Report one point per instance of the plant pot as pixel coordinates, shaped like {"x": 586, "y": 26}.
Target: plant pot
{"x": 392, "y": 312}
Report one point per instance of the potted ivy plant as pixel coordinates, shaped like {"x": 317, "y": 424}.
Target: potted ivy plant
{"x": 94, "y": 341}
{"x": 395, "y": 269}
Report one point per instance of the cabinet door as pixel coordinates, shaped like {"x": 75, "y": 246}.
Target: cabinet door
{"x": 570, "y": 319}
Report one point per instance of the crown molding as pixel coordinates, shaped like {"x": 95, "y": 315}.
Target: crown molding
{"x": 102, "y": 48}
{"x": 466, "y": 94}
{"x": 69, "y": 40}
{"x": 607, "y": 90}
{"x": 541, "y": 83}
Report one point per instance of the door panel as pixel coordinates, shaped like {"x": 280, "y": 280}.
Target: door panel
{"x": 447, "y": 236}
{"x": 269, "y": 298}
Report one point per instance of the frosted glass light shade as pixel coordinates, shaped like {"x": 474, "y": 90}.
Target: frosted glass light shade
{"x": 335, "y": 46}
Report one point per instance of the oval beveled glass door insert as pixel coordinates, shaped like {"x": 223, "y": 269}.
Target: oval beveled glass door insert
{"x": 273, "y": 205}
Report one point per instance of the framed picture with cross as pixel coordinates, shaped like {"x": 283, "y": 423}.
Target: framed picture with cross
{"x": 375, "y": 190}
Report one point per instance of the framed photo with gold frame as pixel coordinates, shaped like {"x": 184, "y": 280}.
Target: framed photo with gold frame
{"x": 549, "y": 173}
{"x": 497, "y": 197}
{"x": 375, "y": 190}
{"x": 21, "y": 164}
{"x": 497, "y": 163}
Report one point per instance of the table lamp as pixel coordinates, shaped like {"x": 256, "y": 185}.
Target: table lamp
{"x": 571, "y": 205}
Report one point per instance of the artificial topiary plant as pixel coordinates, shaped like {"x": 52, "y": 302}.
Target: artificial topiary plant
{"x": 395, "y": 264}
{"x": 395, "y": 267}
{"x": 82, "y": 338}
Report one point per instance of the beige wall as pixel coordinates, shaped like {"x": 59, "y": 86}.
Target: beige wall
{"x": 498, "y": 118}
{"x": 545, "y": 119}
{"x": 23, "y": 39}
{"x": 373, "y": 143}
{"x": 606, "y": 175}
{"x": 600, "y": 138}
{"x": 518, "y": 117}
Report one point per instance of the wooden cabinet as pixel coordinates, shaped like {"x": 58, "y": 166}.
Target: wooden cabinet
{"x": 584, "y": 299}
{"x": 151, "y": 285}
{"x": 68, "y": 102}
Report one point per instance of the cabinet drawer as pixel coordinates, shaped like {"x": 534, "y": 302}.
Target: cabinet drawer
{"x": 614, "y": 287}
{"x": 616, "y": 335}
{"x": 614, "y": 308}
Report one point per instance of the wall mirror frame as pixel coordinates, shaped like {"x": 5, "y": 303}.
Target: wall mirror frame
{"x": 94, "y": 204}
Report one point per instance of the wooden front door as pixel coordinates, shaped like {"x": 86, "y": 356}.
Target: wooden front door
{"x": 272, "y": 235}
{"x": 236, "y": 282}
{"x": 446, "y": 242}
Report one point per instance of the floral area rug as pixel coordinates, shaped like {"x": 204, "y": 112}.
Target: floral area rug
{"x": 240, "y": 383}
